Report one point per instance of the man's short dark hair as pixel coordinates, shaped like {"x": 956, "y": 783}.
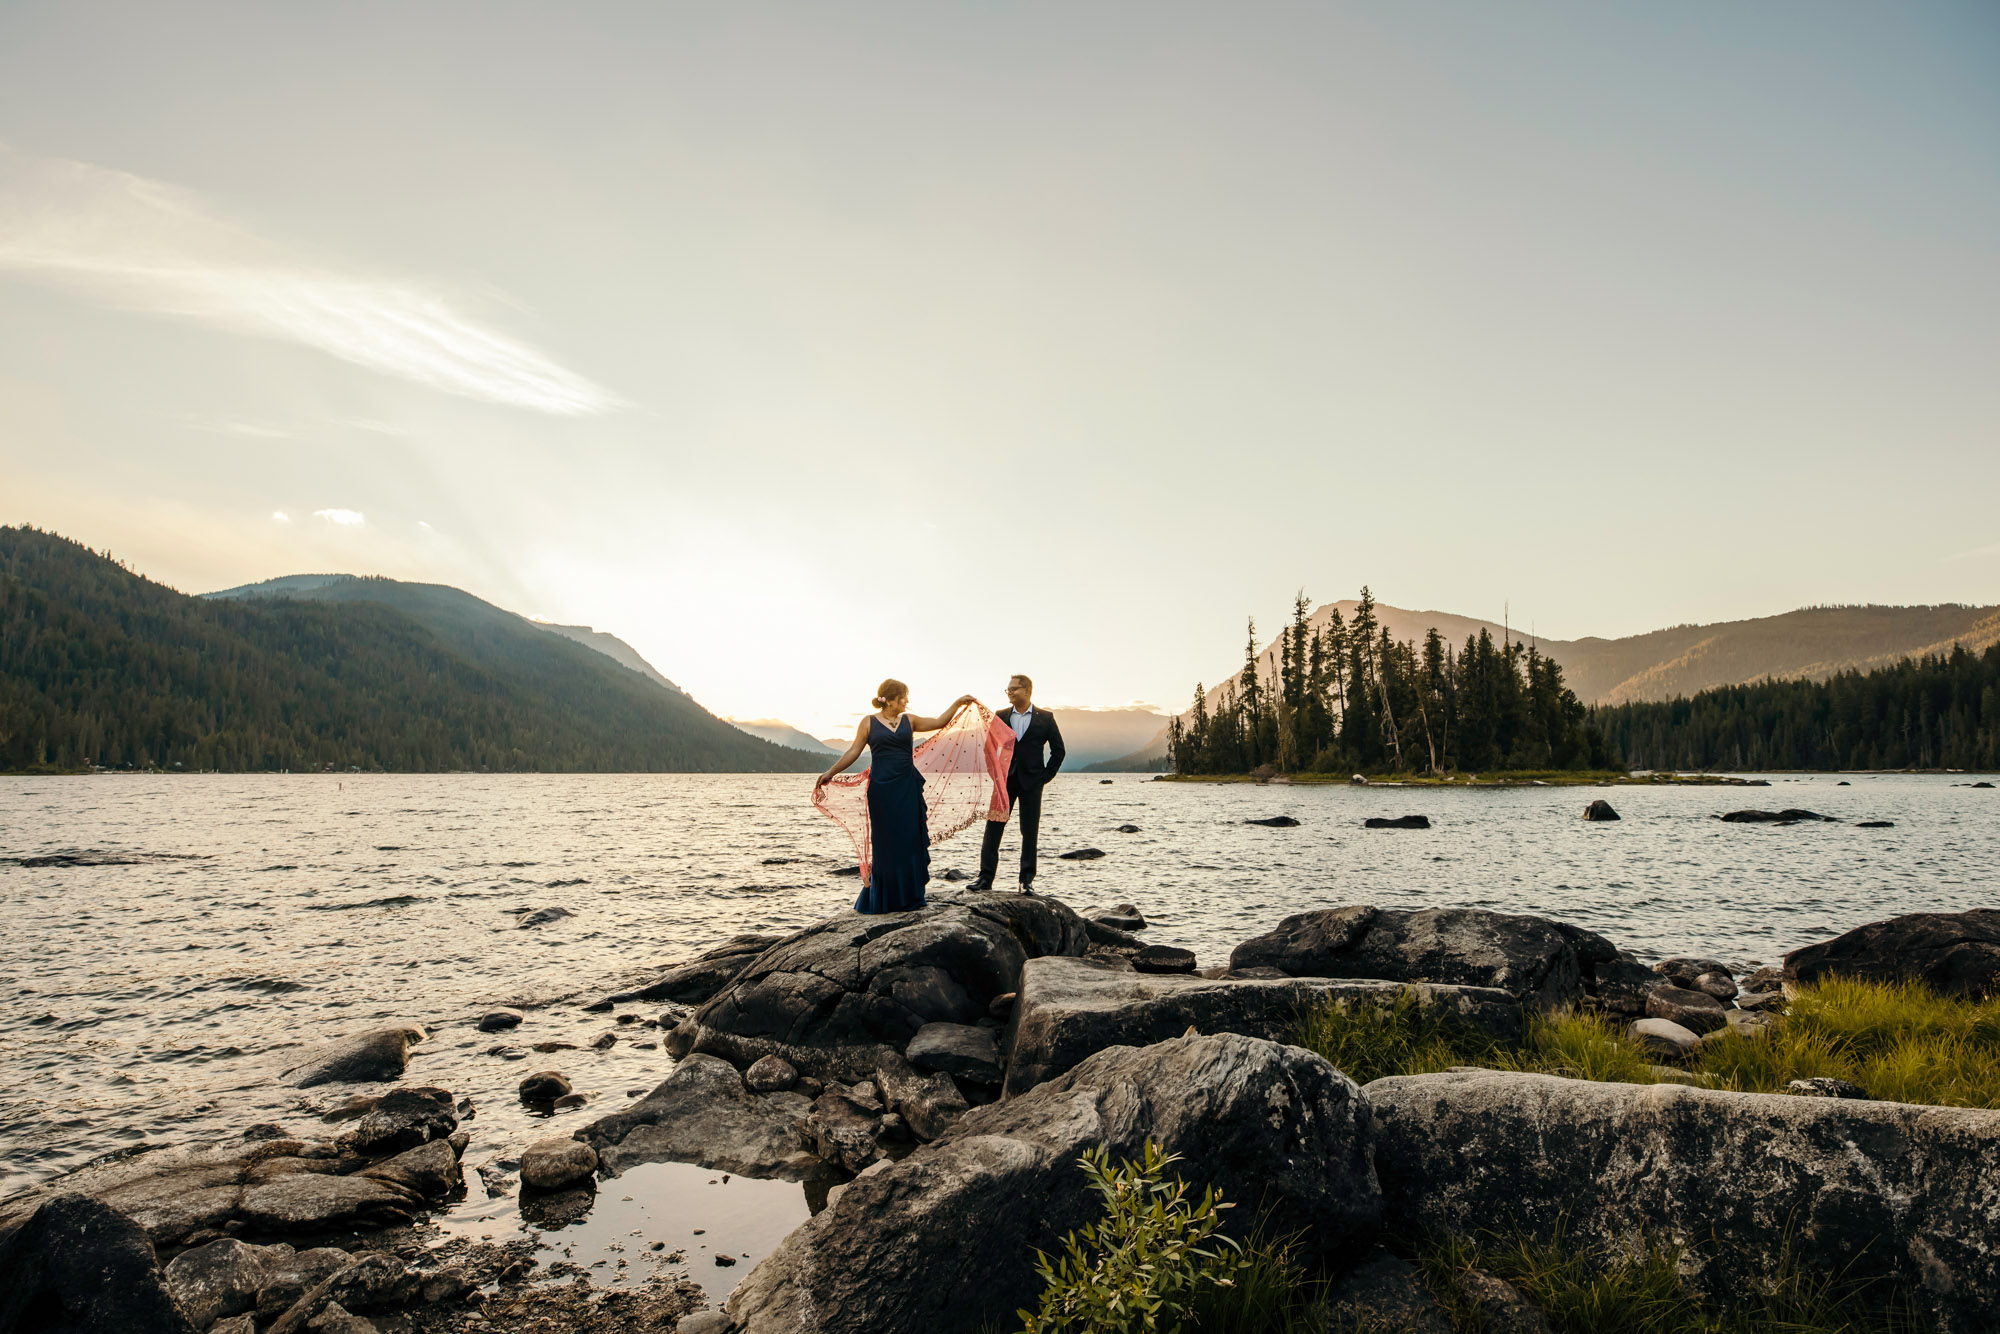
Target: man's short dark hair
{"x": 1024, "y": 679}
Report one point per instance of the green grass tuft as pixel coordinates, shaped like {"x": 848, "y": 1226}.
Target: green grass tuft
{"x": 1899, "y": 1041}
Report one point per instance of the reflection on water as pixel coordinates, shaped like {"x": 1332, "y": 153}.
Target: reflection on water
{"x": 172, "y": 941}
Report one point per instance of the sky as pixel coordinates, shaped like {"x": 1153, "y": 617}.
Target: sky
{"x": 803, "y": 345}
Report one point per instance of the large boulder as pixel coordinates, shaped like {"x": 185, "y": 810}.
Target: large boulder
{"x": 945, "y": 1238}
{"x": 1532, "y": 957}
{"x": 704, "y": 1113}
{"x": 1955, "y": 953}
{"x": 827, "y": 997}
{"x": 376, "y": 1056}
{"x": 1864, "y": 1189}
{"x": 1070, "y": 1009}
{"x": 79, "y": 1265}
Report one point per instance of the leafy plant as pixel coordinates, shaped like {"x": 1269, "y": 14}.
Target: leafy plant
{"x": 1146, "y": 1262}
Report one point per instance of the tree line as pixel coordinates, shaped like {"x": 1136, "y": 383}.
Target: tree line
{"x": 1939, "y": 711}
{"x": 1349, "y": 698}
{"x": 99, "y": 666}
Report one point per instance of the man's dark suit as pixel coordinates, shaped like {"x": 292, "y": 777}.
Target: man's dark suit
{"x": 1026, "y": 777}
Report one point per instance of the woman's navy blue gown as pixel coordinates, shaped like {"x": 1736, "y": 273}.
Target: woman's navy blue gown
{"x": 899, "y": 827}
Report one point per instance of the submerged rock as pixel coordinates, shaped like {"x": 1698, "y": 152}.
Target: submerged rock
{"x": 544, "y": 1086}
{"x": 543, "y": 916}
{"x": 1599, "y": 810}
{"x": 1789, "y": 816}
{"x": 1070, "y": 1009}
{"x": 557, "y": 1163}
{"x": 1531, "y": 957}
{"x": 1081, "y": 855}
{"x": 1957, "y": 954}
{"x": 376, "y": 1056}
{"x": 1276, "y": 822}
{"x": 1873, "y": 1189}
{"x": 945, "y": 1238}
{"x": 1397, "y": 822}
{"x": 499, "y": 1020}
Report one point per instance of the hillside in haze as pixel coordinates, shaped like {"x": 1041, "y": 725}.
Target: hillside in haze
{"x": 783, "y": 734}
{"x": 98, "y": 664}
{"x": 1812, "y": 644}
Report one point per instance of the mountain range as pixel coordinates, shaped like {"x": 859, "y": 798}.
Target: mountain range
{"x": 1811, "y": 644}
{"x": 99, "y": 665}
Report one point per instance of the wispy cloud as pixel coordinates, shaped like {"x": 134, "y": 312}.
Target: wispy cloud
{"x": 139, "y": 244}
{"x": 1976, "y": 553}
{"x": 342, "y": 518}
{"x": 279, "y": 516}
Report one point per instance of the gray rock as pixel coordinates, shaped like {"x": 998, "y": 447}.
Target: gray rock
{"x": 945, "y": 1238}
{"x": 544, "y": 1086}
{"x": 220, "y": 1279}
{"x": 498, "y": 1020}
{"x": 1163, "y": 959}
{"x": 236, "y": 1324}
{"x": 1664, "y": 1037}
{"x": 1622, "y": 985}
{"x": 1750, "y": 1023}
{"x": 377, "y": 1056}
{"x": 1744, "y": 1180}
{"x": 1528, "y": 956}
{"x": 703, "y": 1322}
{"x": 266, "y": 1130}
{"x": 1764, "y": 979}
{"x": 543, "y": 916}
{"x": 1770, "y": 1002}
{"x": 1118, "y": 921}
{"x": 404, "y": 1118}
{"x": 1072, "y": 1008}
{"x": 846, "y": 1130}
{"x": 928, "y": 1103}
{"x": 557, "y": 1163}
{"x": 1824, "y": 1086}
{"x": 333, "y": 1318}
{"x": 825, "y": 998}
{"x": 1696, "y": 1010}
{"x": 1590, "y": 948}
{"x": 1683, "y": 969}
{"x": 956, "y": 1049}
{"x": 376, "y": 1281}
{"x": 770, "y": 1074}
{"x": 1384, "y": 1293}
{"x": 1498, "y": 1305}
{"x": 1719, "y": 985}
{"x": 288, "y": 1278}
{"x": 77, "y": 1264}
{"x": 1957, "y": 954}
{"x": 703, "y": 1113}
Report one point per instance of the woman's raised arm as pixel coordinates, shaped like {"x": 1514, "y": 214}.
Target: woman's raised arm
{"x": 933, "y": 724}
{"x": 847, "y": 757}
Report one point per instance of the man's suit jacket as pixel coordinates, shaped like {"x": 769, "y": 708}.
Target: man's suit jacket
{"x": 1028, "y": 764}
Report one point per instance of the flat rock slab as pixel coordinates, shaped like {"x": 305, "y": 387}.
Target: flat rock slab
{"x": 1532, "y": 957}
{"x": 704, "y": 1113}
{"x": 1865, "y": 1188}
{"x": 945, "y": 1238}
{"x": 1070, "y": 1009}
{"x": 1955, "y": 953}
{"x": 376, "y": 1056}
{"x": 957, "y": 1049}
{"x": 825, "y": 998}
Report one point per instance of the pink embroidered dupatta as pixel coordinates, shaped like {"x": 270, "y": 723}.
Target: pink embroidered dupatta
{"x": 965, "y": 778}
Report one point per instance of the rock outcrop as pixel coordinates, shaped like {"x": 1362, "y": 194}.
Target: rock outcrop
{"x": 827, "y": 997}
{"x": 77, "y": 1264}
{"x": 944, "y": 1239}
{"x": 1070, "y": 1009}
{"x": 1867, "y": 1189}
{"x": 1531, "y": 957}
{"x": 1954, "y": 953}
{"x": 704, "y": 1113}
{"x": 695, "y": 980}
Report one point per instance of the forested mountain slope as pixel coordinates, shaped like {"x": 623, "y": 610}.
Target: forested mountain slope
{"x": 100, "y": 665}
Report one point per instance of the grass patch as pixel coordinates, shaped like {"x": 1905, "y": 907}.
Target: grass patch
{"x": 1899, "y": 1041}
{"x": 1581, "y": 1290}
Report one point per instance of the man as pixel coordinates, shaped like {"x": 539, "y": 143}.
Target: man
{"x": 1035, "y": 733}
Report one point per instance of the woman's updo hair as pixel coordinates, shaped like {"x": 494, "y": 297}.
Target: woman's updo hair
{"x": 888, "y": 690}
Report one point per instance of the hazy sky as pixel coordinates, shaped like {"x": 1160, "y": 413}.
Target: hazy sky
{"x": 803, "y": 345}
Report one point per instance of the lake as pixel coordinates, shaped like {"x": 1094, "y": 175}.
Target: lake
{"x": 189, "y": 934}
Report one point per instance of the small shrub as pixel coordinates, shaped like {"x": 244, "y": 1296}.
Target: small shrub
{"x": 1144, "y": 1265}
{"x": 1406, "y": 1037}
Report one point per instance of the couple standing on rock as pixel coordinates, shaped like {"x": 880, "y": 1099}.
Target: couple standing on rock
{"x": 978, "y": 763}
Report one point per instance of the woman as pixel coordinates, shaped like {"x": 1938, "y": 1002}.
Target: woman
{"x": 899, "y": 828}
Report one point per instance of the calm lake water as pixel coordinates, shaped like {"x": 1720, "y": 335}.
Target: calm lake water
{"x": 152, "y": 1001}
